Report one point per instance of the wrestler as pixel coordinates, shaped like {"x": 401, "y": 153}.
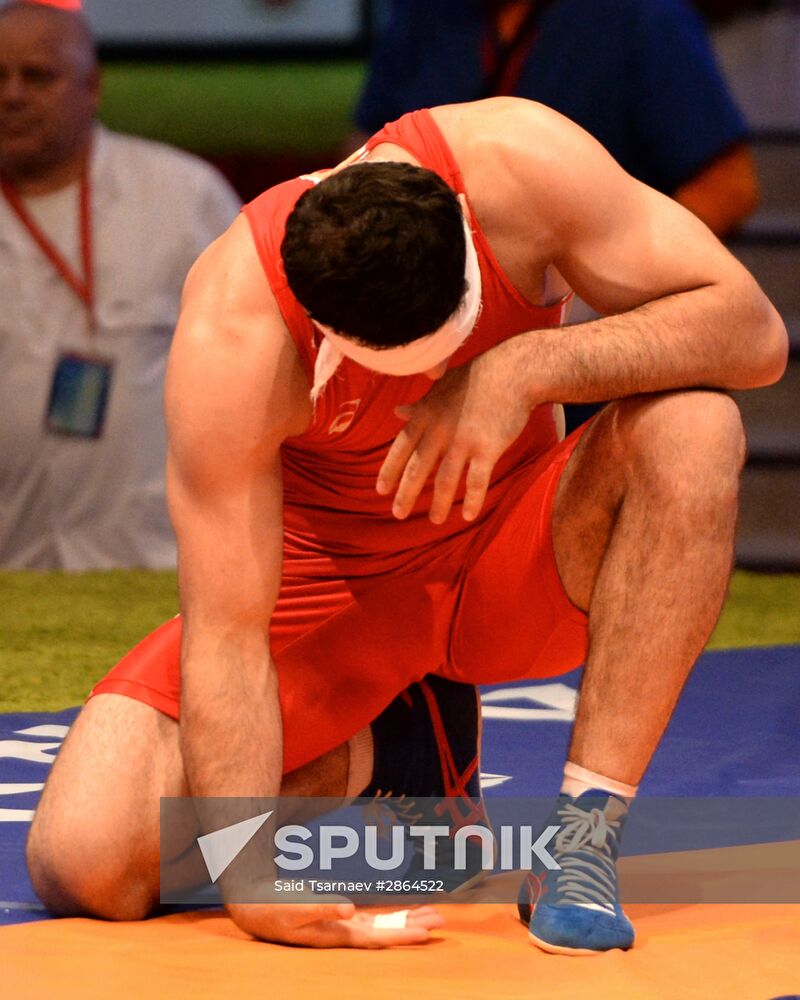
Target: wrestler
{"x": 364, "y": 453}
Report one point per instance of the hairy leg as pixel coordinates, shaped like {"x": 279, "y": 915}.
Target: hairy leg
{"x": 90, "y": 848}
{"x": 93, "y": 847}
{"x": 643, "y": 531}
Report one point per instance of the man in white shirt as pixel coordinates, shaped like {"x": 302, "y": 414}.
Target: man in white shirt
{"x": 97, "y": 233}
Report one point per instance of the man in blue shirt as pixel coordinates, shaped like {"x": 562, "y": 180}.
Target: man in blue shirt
{"x": 639, "y": 75}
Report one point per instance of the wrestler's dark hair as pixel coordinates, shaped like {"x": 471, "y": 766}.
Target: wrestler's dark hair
{"x": 376, "y": 251}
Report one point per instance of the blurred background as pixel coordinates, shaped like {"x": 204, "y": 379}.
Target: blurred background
{"x": 266, "y": 89}
{"x": 179, "y": 74}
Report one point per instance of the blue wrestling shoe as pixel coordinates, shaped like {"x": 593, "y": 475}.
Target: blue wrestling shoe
{"x": 576, "y": 911}
{"x": 427, "y": 746}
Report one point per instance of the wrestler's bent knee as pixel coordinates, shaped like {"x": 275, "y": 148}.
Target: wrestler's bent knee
{"x": 674, "y": 434}
{"x": 73, "y": 875}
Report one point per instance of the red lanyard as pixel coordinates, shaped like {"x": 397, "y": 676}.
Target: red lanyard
{"x": 506, "y": 46}
{"x": 83, "y": 287}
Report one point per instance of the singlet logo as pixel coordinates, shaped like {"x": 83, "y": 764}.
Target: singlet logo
{"x": 345, "y": 416}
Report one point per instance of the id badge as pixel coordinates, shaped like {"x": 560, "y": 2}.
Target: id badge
{"x": 79, "y": 395}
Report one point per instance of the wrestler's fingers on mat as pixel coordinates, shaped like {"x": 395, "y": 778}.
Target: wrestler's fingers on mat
{"x": 422, "y": 916}
{"x": 363, "y": 930}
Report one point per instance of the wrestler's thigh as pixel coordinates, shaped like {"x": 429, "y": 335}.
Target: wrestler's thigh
{"x": 94, "y": 841}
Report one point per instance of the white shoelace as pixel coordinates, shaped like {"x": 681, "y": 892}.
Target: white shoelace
{"x": 588, "y": 876}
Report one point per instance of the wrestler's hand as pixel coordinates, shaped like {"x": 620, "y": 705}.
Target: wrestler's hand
{"x": 332, "y": 925}
{"x": 463, "y": 425}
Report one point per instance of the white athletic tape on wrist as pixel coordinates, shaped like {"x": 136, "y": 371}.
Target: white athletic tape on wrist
{"x": 390, "y": 921}
{"x": 420, "y": 355}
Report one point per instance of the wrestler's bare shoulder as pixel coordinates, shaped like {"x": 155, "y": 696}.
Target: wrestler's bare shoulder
{"x": 230, "y": 319}
{"x": 511, "y": 153}
{"x": 510, "y": 127}
{"x": 228, "y": 279}
{"x": 510, "y": 149}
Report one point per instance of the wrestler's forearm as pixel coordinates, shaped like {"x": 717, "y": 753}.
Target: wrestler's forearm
{"x": 230, "y": 727}
{"x": 231, "y": 741}
{"x": 712, "y": 336}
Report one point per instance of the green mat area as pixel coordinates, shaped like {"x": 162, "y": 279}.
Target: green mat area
{"x": 226, "y": 107}
{"x": 61, "y": 632}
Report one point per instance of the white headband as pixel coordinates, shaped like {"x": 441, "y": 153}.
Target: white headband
{"x": 408, "y": 359}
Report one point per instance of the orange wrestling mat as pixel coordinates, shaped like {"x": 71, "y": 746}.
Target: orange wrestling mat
{"x": 735, "y": 952}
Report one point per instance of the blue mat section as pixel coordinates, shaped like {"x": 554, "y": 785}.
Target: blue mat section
{"x": 735, "y": 732}
{"x": 28, "y": 745}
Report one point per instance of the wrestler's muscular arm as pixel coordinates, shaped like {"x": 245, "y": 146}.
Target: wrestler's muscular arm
{"x": 679, "y": 310}
{"x": 231, "y": 398}
{"x": 235, "y": 390}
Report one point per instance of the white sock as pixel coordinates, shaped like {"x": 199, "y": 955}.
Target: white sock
{"x": 578, "y": 780}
